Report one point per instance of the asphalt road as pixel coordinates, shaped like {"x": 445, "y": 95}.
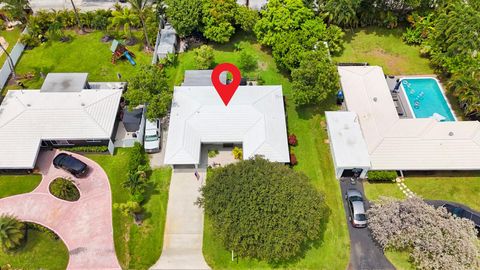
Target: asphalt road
{"x": 365, "y": 254}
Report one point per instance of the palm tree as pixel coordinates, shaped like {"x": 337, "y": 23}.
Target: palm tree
{"x": 17, "y": 8}
{"x": 76, "y": 15}
{"x": 140, "y": 7}
{"x": 12, "y": 232}
{"x": 126, "y": 19}
{"x": 136, "y": 182}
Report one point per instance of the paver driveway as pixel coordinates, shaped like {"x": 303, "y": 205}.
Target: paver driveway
{"x": 85, "y": 226}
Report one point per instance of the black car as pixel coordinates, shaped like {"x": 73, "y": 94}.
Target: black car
{"x": 464, "y": 213}
{"x": 70, "y": 164}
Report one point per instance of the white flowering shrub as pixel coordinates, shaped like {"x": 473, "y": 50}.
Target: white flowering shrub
{"x": 435, "y": 239}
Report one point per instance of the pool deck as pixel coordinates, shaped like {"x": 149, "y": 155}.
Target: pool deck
{"x": 398, "y": 98}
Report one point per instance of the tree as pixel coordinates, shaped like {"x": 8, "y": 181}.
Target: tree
{"x": 129, "y": 208}
{"x": 248, "y": 61}
{"x": 315, "y": 79}
{"x": 434, "y": 238}
{"x": 204, "y": 57}
{"x": 140, "y": 7}
{"x": 149, "y": 86}
{"x": 218, "y": 17}
{"x": 136, "y": 182}
{"x": 263, "y": 210}
{"x": 124, "y": 18}
{"x": 465, "y": 86}
{"x": 184, "y": 15}
{"x": 12, "y": 232}
{"x": 246, "y": 18}
{"x": 77, "y": 17}
{"x": 342, "y": 12}
{"x": 17, "y": 9}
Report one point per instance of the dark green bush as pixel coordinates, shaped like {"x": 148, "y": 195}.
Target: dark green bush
{"x": 137, "y": 158}
{"x": 263, "y": 210}
{"x": 40, "y": 228}
{"x": 64, "y": 189}
{"x": 382, "y": 175}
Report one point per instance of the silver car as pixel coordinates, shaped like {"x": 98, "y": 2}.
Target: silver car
{"x": 356, "y": 208}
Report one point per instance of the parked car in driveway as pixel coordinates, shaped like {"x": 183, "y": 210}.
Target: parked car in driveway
{"x": 70, "y": 164}
{"x": 152, "y": 142}
{"x": 356, "y": 208}
{"x": 464, "y": 213}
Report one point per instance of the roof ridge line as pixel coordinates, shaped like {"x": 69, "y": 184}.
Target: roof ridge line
{"x": 16, "y": 116}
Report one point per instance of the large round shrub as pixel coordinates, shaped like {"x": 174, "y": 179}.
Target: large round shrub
{"x": 64, "y": 189}
{"x": 263, "y": 210}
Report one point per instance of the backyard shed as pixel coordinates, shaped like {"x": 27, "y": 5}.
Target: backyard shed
{"x": 168, "y": 41}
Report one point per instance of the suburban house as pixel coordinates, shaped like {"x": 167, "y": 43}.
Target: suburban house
{"x": 372, "y": 135}
{"x": 254, "y": 119}
{"x": 67, "y": 111}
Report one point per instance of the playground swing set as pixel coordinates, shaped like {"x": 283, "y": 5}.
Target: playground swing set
{"x": 119, "y": 51}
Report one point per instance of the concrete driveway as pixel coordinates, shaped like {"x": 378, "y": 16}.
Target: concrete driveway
{"x": 365, "y": 254}
{"x": 85, "y": 226}
{"x": 183, "y": 237}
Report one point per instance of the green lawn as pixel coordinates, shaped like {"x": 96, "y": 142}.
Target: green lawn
{"x": 85, "y": 53}
{"x": 383, "y": 47}
{"x": 461, "y": 189}
{"x": 39, "y": 252}
{"x": 17, "y": 184}
{"x": 137, "y": 247}
{"x": 373, "y": 191}
{"x": 332, "y": 252}
{"x": 11, "y": 37}
{"x": 400, "y": 260}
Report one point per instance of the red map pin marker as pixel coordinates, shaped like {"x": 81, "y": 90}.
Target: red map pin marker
{"x": 226, "y": 91}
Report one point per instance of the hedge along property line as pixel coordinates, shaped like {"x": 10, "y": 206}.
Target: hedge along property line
{"x": 378, "y": 176}
{"x": 86, "y": 149}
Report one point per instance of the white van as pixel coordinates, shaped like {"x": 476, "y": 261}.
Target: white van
{"x": 153, "y": 140}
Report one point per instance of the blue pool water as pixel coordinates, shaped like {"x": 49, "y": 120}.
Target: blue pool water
{"x": 426, "y": 98}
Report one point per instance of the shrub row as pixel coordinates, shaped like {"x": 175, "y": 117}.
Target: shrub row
{"x": 382, "y": 175}
{"x": 87, "y": 149}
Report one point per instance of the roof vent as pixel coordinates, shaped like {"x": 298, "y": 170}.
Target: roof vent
{"x": 82, "y": 104}
{"x": 29, "y": 105}
{"x": 450, "y": 133}
{"x": 375, "y": 99}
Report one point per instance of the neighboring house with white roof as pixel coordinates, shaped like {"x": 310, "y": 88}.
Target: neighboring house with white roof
{"x": 391, "y": 142}
{"x": 64, "y": 112}
{"x": 254, "y": 118}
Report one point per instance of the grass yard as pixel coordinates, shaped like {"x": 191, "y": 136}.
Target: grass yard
{"x": 137, "y": 247}
{"x": 461, "y": 189}
{"x": 85, "y": 53}
{"x": 385, "y": 48}
{"x": 11, "y": 37}
{"x": 332, "y": 252}
{"x": 17, "y": 184}
{"x": 39, "y": 252}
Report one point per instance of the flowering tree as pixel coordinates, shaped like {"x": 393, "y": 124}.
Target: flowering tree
{"x": 434, "y": 238}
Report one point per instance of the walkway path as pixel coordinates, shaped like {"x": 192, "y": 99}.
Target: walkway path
{"x": 401, "y": 185}
{"x": 85, "y": 226}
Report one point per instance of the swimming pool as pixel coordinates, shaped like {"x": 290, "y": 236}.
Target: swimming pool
{"x": 426, "y": 98}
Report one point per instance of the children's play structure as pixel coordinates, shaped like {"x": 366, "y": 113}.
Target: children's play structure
{"x": 119, "y": 50}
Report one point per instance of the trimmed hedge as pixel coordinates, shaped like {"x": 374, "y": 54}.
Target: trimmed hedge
{"x": 382, "y": 175}
{"x": 87, "y": 149}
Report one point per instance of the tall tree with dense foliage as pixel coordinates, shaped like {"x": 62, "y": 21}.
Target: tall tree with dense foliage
{"x": 184, "y": 15}
{"x": 218, "y": 19}
{"x": 246, "y": 18}
{"x": 465, "y": 86}
{"x": 434, "y": 238}
{"x": 140, "y": 7}
{"x": 292, "y": 29}
{"x": 17, "y": 9}
{"x": 263, "y": 210}
{"x": 149, "y": 86}
{"x": 315, "y": 79}
{"x": 12, "y": 232}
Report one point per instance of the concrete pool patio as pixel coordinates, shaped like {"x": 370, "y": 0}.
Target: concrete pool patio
{"x": 85, "y": 226}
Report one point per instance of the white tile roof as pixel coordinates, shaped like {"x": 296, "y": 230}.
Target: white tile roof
{"x": 29, "y": 116}
{"x": 255, "y": 117}
{"x": 406, "y": 144}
